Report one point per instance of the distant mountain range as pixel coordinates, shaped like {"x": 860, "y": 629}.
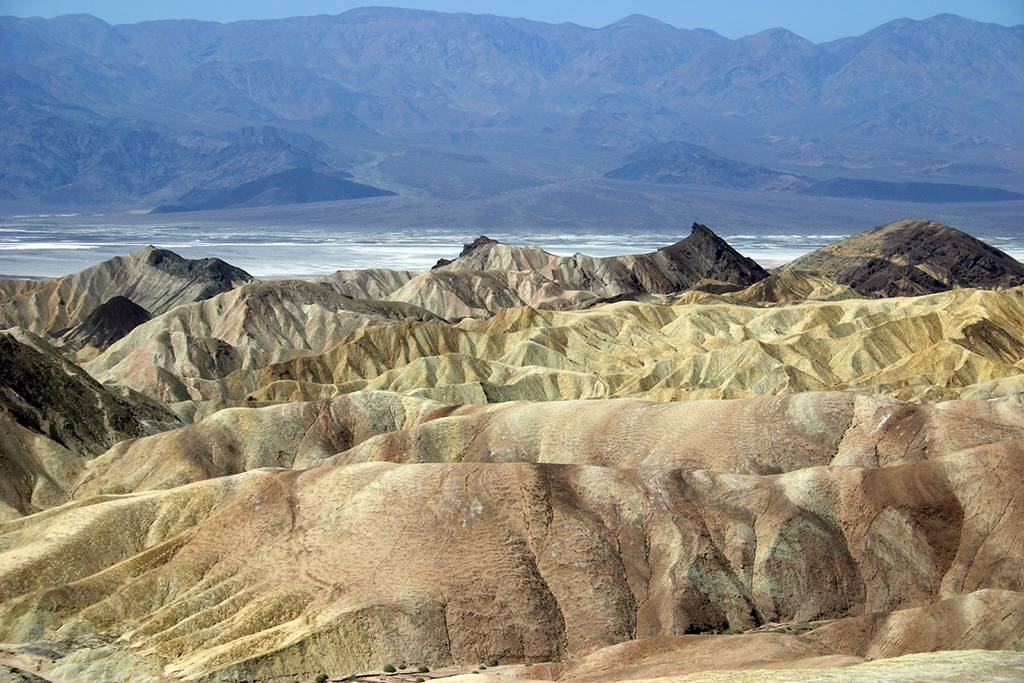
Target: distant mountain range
{"x": 143, "y": 114}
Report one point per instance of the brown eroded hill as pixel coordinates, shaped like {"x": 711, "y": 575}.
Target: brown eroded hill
{"x": 110, "y": 321}
{"x": 764, "y": 435}
{"x": 912, "y": 257}
{"x": 369, "y": 283}
{"x": 344, "y": 568}
{"x": 155, "y": 279}
{"x": 471, "y": 511}
{"x": 674, "y": 268}
{"x": 184, "y": 353}
{"x": 489, "y": 276}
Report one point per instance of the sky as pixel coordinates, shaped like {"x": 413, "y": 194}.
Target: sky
{"x": 816, "y": 20}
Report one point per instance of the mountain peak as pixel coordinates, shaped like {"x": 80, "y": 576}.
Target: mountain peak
{"x": 911, "y": 257}
{"x": 638, "y": 21}
{"x": 481, "y": 242}
{"x": 110, "y": 321}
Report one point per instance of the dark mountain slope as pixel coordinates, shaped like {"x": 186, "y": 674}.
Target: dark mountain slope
{"x": 107, "y": 323}
{"x": 681, "y": 162}
{"x": 912, "y": 257}
{"x": 294, "y": 186}
{"x": 932, "y": 193}
{"x": 54, "y": 416}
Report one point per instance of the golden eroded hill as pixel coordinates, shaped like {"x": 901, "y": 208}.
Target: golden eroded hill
{"x": 184, "y": 353}
{"x": 538, "y": 535}
{"x": 962, "y": 343}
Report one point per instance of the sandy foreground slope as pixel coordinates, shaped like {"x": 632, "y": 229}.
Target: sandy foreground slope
{"x": 362, "y": 560}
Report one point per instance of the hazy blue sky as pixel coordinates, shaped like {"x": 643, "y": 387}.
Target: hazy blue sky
{"x": 817, "y": 20}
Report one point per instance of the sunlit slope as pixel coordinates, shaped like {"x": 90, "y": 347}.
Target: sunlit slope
{"x": 961, "y": 343}
{"x": 343, "y": 569}
{"x": 185, "y": 352}
{"x": 155, "y": 279}
{"x": 764, "y": 435}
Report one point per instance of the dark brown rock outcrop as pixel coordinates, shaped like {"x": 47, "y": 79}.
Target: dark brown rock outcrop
{"x": 53, "y": 417}
{"x": 108, "y": 322}
{"x": 912, "y": 257}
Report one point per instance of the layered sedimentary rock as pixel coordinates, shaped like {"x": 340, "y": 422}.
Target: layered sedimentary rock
{"x": 962, "y": 343}
{"x": 767, "y": 435}
{"x": 345, "y": 568}
{"x": 475, "y": 512}
{"x": 912, "y": 257}
{"x": 183, "y": 354}
{"x": 490, "y": 276}
{"x": 155, "y": 279}
{"x": 369, "y": 283}
{"x": 702, "y": 254}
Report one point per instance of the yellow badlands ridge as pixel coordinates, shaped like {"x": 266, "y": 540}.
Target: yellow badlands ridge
{"x": 957, "y": 344}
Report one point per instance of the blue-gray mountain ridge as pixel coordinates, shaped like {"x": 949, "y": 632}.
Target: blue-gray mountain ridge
{"x": 143, "y": 114}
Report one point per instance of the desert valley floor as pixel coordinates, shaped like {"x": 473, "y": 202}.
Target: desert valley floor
{"x": 517, "y": 466}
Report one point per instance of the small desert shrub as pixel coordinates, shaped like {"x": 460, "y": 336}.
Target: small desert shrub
{"x": 389, "y": 668}
{"x": 423, "y": 668}
{"x": 419, "y": 680}
{"x": 556, "y": 660}
{"x": 321, "y": 678}
{"x": 493, "y": 661}
{"x": 483, "y": 666}
{"x": 528, "y": 664}
{"x": 401, "y": 667}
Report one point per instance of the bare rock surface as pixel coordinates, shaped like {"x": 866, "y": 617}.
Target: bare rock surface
{"x": 107, "y": 323}
{"x": 957, "y": 344}
{"x": 465, "y": 293}
{"x": 989, "y": 619}
{"x": 702, "y": 254}
{"x": 489, "y": 276}
{"x": 183, "y": 353}
{"x": 369, "y": 283}
{"x": 759, "y": 436}
{"x": 273, "y": 572}
{"x": 367, "y": 483}
{"x": 155, "y": 279}
{"x": 234, "y": 440}
{"x": 931, "y": 667}
{"x": 54, "y": 417}
{"x": 912, "y": 257}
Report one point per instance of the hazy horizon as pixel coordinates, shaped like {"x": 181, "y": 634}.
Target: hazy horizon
{"x": 814, "y": 21}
